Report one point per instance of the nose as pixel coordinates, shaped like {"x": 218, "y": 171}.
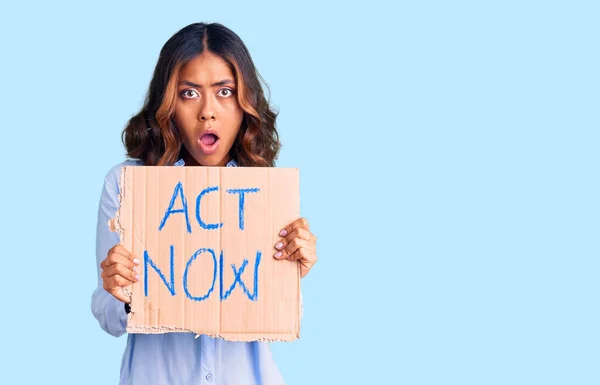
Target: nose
{"x": 207, "y": 110}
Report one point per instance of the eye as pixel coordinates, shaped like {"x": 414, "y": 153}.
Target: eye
{"x": 226, "y": 92}
{"x": 189, "y": 94}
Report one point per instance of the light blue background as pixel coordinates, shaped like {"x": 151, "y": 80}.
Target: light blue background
{"x": 449, "y": 166}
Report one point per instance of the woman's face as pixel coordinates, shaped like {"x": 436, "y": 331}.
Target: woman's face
{"x": 207, "y": 113}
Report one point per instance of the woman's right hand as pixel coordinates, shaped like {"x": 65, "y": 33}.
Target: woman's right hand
{"x": 118, "y": 271}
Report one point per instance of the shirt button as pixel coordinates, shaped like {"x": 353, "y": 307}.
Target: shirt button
{"x": 209, "y": 377}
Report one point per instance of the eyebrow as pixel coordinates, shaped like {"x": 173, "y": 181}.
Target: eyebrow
{"x": 219, "y": 83}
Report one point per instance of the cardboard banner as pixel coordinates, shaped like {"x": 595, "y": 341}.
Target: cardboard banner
{"x": 205, "y": 239}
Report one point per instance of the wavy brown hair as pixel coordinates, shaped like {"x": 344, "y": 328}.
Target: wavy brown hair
{"x": 152, "y": 136}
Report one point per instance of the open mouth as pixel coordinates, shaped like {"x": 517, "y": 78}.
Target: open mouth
{"x": 208, "y": 143}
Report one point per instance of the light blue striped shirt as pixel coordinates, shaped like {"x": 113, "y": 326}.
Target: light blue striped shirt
{"x": 171, "y": 358}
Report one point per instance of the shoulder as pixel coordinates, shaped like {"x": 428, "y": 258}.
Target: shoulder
{"x": 113, "y": 176}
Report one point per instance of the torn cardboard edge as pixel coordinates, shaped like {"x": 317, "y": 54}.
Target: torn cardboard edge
{"x": 116, "y": 224}
{"x": 245, "y": 337}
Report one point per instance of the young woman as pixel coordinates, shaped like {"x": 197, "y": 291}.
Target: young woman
{"x": 205, "y": 106}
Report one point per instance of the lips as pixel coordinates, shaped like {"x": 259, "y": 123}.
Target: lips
{"x": 208, "y": 142}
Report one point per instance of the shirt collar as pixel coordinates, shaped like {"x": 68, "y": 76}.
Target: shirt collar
{"x": 181, "y": 162}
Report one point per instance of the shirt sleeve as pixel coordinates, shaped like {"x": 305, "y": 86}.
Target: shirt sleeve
{"x": 109, "y": 311}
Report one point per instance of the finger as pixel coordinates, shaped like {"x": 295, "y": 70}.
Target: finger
{"x": 298, "y": 223}
{"x": 291, "y": 247}
{"x": 303, "y": 253}
{"x": 121, "y": 250}
{"x": 299, "y": 232}
{"x": 117, "y": 281}
{"x": 114, "y": 259}
{"x": 123, "y": 271}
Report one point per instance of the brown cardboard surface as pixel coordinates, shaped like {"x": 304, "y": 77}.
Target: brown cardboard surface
{"x": 268, "y": 310}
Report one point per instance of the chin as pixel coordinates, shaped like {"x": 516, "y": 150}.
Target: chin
{"x": 209, "y": 161}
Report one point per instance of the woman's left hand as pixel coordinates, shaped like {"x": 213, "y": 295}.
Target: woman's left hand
{"x": 298, "y": 243}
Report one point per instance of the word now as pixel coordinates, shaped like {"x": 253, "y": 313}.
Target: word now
{"x": 178, "y": 192}
{"x": 223, "y": 294}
